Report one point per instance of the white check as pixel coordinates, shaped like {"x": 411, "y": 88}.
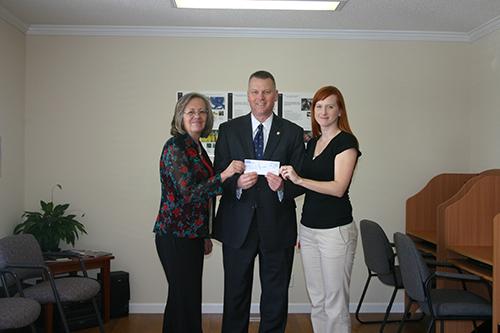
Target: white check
{"x": 262, "y": 167}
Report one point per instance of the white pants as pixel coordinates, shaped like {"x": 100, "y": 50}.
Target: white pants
{"x": 328, "y": 256}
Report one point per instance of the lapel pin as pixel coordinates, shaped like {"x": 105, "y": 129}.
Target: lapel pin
{"x": 278, "y": 133}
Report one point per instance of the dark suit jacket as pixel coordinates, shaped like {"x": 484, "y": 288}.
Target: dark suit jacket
{"x": 276, "y": 220}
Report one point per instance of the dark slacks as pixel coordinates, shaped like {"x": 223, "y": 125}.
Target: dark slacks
{"x": 275, "y": 268}
{"x": 182, "y": 260}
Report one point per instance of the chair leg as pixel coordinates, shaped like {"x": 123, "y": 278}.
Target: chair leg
{"x": 475, "y": 326}
{"x": 33, "y": 328}
{"x": 363, "y": 297}
{"x": 432, "y": 324}
{"x": 363, "y": 294}
{"x": 388, "y": 310}
{"x": 63, "y": 316}
{"x": 58, "y": 302}
{"x": 407, "y": 311}
{"x": 98, "y": 314}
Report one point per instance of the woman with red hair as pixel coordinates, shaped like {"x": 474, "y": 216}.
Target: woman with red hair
{"x": 328, "y": 234}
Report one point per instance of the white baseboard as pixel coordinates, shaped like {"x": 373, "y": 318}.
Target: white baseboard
{"x": 292, "y": 308}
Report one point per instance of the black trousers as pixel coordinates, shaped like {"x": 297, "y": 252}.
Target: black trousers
{"x": 275, "y": 269}
{"x": 182, "y": 260}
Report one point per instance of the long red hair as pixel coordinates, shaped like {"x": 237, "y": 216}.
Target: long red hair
{"x": 320, "y": 95}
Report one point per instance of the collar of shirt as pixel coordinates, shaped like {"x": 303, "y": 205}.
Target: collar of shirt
{"x": 265, "y": 131}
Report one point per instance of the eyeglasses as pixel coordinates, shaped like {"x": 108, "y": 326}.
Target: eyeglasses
{"x": 191, "y": 113}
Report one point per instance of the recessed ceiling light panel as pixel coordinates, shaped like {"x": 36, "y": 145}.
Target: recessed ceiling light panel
{"x": 262, "y": 4}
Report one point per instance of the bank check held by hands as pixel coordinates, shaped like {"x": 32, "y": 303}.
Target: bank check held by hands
{"x": 262, "y": 167}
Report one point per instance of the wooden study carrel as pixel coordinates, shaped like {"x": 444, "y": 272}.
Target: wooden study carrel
{"x": 456, "y": 217}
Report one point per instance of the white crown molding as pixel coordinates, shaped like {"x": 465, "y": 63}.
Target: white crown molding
{"x": 485, "y": 29}
{"x": 97, "y": 30}
{"x": 246, "y": 33}
{"x": 13, "y": 20}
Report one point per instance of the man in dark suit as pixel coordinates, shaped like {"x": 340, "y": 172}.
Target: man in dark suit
{"x": 257, "y": 215}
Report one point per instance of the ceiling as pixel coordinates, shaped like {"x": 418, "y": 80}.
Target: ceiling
{"x": 443, "y": 16}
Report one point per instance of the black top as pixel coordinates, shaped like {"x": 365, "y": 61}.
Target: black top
{"x": 322, "y": 211}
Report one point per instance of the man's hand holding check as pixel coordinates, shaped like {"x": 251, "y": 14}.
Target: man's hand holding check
{"x": 254, "y": 168}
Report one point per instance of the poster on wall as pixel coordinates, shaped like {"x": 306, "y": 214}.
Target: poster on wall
{"x": 240, "y": 105}
{"x": 297, "y": 108}
{"x": 219, "y": 107}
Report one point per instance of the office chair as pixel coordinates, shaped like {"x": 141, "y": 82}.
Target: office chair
{"x": 380, "y": 261}
{"x": 440, "y": 304}
{"x": 22, "y": 255}
{"x": 17, "y": 312}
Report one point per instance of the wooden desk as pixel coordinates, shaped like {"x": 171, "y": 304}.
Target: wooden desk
{"x": 483, "y": 254}
{"x": 72, "y": 267}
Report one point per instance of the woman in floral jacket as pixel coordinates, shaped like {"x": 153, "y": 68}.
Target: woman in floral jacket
{"x": 188, "y": 185}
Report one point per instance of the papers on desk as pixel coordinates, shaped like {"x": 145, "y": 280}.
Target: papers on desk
{"x": 55, "y": 259}
{"x": 91, "y": 253}
{"x": 262, "y": 167}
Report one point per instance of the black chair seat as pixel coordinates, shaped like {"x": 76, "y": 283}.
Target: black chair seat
{"x": 456, "y": 302}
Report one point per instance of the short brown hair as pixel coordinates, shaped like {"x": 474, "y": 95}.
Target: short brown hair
{"x": 262, "y": 75}
{"x": 177, "y": 128}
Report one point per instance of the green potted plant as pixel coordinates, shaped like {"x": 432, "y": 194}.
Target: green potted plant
{"x": 51, "y": 225}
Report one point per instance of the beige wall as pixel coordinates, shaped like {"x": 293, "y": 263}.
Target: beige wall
{"x": 12, "y": 74}
{"x": 98, "y": 111}
{"x": 485, "y": 102}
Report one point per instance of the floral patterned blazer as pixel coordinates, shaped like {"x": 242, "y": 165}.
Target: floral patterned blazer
{"x": 187, "y": 185}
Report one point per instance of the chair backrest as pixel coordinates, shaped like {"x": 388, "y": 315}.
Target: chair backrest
{"x": 377, "y": 249}
{"x": 413, "y": 268}
{"x": 20, "y": 249}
